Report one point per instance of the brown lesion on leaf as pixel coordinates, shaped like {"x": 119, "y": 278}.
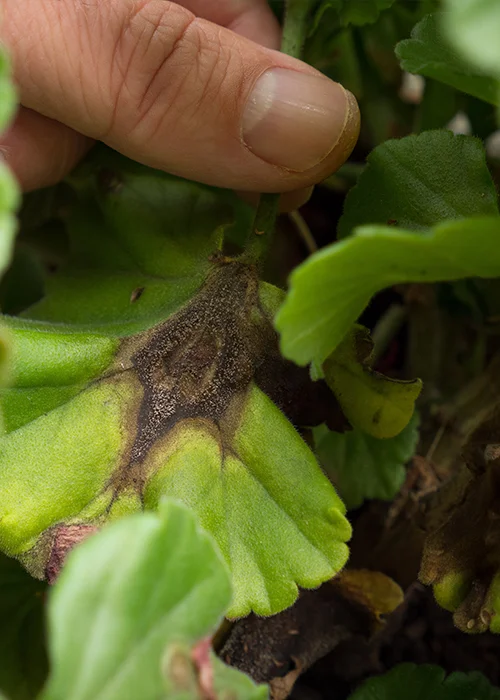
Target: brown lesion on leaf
{"x": 199, "y": 359}
{"x": 63, "y": 539}
{"x": 200, "y": 363}
{"x": 136, "y": 294}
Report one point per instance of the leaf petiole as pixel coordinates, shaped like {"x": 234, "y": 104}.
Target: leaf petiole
{"x": 295, "y": 29}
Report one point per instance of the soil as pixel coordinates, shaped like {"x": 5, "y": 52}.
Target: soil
{"x": 419, "y": 632}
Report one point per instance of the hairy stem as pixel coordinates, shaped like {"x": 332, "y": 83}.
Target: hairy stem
{"x": 294, "y": 35}
{"x": 297, "y": 17}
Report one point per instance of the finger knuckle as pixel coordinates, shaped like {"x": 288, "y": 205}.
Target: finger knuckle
{"x": 170, "y": 65}
{"x": 152, "y": 39}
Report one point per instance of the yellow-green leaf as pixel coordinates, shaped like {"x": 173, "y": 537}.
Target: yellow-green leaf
{"x": 380, "y": 406}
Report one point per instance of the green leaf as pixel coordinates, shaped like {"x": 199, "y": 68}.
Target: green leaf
{"x": 9, "y": 202}
{"x": 140, "y": 245}
{"x": 429, "y": 53}
{"x": 419, "y": 181}
{"x": 23, "y": 661}
{"x": 332, "y": 288}
{"x": 363, "y": 467}
{"x": 273, "y": 536}
{"x": 430, "y": 682}
{"x": 378, "y": 405}
{"x": 49, "y": 365}
{"x": 438, "y": 106}
{"x": 9, "y": 193}
{"x": 124, "y": 596}
{"x": 474, "y": 28}
{"x": 58, "y": 465}
{"x": 8, "y": 102}
{"x": 355, "y": 12}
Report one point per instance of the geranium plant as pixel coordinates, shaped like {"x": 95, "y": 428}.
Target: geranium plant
{"x": 189, "y": 442}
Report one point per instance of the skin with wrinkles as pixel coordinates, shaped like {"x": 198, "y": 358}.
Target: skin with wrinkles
{"x": 165, "y": 83}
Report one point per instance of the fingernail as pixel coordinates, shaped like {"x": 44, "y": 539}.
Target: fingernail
{"x": 294, "y": 119}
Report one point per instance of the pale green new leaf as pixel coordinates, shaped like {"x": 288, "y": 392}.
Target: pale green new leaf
{"x": 331, "y": 289}
{"x": 363, "y": 467}
{"x": 419, "y": 181}
{"x": 124, "y": 596}
{"x": 429, "y": 53}
{"x": 474, "y": 27}
{"x": 430, "y": 682}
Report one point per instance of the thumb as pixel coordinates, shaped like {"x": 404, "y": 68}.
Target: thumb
{"x": 179, "y": 93}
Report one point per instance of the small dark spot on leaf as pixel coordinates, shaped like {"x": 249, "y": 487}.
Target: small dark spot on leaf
{"x": 377, "y": 416}
{"x": 136, "y": 294}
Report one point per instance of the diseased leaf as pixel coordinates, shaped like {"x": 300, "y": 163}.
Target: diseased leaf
{"x": 371, "y": 402}
{"x": 59, "y": 465}
{"x": 459, "y": 554}
{"x": 372, "y": 589}
{"x": 104, "y": 418}
{"x": 474, "y": 27}
{"x": 430, "y": 682}
{"x": 23, "y": 661}
{"x": 429, "y": 53}
{"x": 330, "y": 290}
{"x": 125, "y": 595}
{"x": 418, "y": 181}
{"x": 363, "y": 467}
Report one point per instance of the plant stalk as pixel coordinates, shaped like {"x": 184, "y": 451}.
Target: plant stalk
{"x": 294, "y": 35}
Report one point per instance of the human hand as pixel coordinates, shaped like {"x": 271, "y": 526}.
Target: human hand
{"x": 180, "y": 86}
